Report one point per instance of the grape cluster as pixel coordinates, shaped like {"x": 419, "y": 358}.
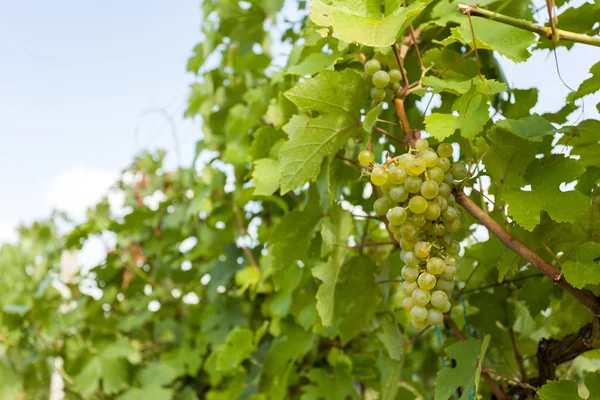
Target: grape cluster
{"x": 385, "y": 83}
{"x": 422, "y": 214}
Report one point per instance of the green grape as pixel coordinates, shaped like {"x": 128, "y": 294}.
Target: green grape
{"x": 404, "y": 159}
{"x": 399, "y": 193}
{"x": 421, "y": 144}
{"x": 430, "y": 158}
{"x": 411, "y": 259}
{"x": 398, "y": 237}
{"x": 413, "y": 184}
{"x": 438, "y": 229}
{"x": 436, "y": 174}
{"x": 450, "y": 214}
{"x": 394, "y": 228}
{"x": 426, "y": 281}
{"x": 418, "y": 314}
{"x": 453, "y": 226}
{"x": 385, "y": 188}
{"x": 436, "y": 265}
{"x": 438, "y": 299}
{"x": 372, "y": 66}
{"x": 379, "y": 176}
{"x": 449, "y": 273}
{"x": 408, "y": 303}
{"x": 453, "y": 249}
{"x": 451, "y": 260}
{"x": 389, "y": 95}
{"x": 422, "y": 249}
{"x": 433, "y": 211}
{"x": 442, "y": 202}
{"x": 408, "y": 287}
{"x": 434, "y": 317}
{"x": 444, "y": 164}
{"x": 381, "y": 79}
{"x": 395, "y": 75}
{"x": 397, "y": 174}
{"x": 449, "y": 179}
{"x": 396, "y": 86}
{"x": 447, "y": 239}
{"x": 409, "y": 273}
{"x": 382, "y": 206}
{"x": 444, "y": 285}
{"x": 429, "y": 189}
{"x": 366, "y": 158}
{"x": 377, "y": 94}
{"x": 419, "y": 325}
{"x": 446, "y": 307}
{"x": 459, "y": 171}
{"x": 417, "y": 204}
{"x": 445, "y": 150}
{"x": 451, "y": 200}
{"x": 421, "y": 297}
{"x": 416, "y": 167}
{"x": 409, "y": 230}
{"x": 445, "y": 189}
{"x": 418, "y": 219}
{"x": 426, "y": 226}
{"x": 397, "y": 216}
{"x": 405, "y": 244}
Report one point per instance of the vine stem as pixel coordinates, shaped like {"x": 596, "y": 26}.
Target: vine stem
{"x": 529, "y": 26}
{"x": 584, "y": 296}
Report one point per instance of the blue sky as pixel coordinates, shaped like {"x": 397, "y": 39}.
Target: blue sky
{"x": 76, "y": 75}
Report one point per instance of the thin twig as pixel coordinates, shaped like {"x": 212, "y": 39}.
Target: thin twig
{"x": 516, "y": 382}
{"x": 518, "y": 355}
{"x": 400, "y": 66}
{"x": 417, "y": 336}
{"x": 468, "y": 280}
{"x": 387, "y": 134}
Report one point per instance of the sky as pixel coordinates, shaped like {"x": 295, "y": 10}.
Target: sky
{"x": 80, "y": 82}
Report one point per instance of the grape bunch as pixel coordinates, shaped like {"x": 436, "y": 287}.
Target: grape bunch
{"x": 385, "y": 83}
{"x": 422, "y": 214}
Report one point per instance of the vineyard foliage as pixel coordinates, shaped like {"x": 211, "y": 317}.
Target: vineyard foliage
{"x": 261, "y": 271}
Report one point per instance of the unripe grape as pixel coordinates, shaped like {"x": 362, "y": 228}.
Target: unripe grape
{"x": 444, "y": 164}
{"x": 438, "y": 229}
{"x": 433, "y": 211}
{"x": 366, "y": 158}
{"x": 419, "y": 325}
{"x": 449, "y": 273}
{"x": 385, "y": 188}
{"x": 381, "y": 79}
{"x": 413, "y": 184}
{"x": 438, "y": 299}
{"x": 389, "y": 95}
{"x": 449, "y": 179}
{"x": 377, "y": 94}
{"x": 409, "y": 230}
{"x": 421, "y": 144}
{"x": 411, "y": 259}
{"x": 426, "y": 225}
{"x": 394, "y": 228}
{"x": 399, "y": 193}
{"x": 451, "y": 260}
{"x": 459, "y": 171}
{"x": 379, "y": 176}
{"x": 436, "y": 174}
{"x": 451, "y": 200}
{"x": 408, "y": 287}
{"x": 442, "y": 202}
{"x": 444, "y": 285}
{"x": 409, "y": 273}
{"x": 408, "y": 303}
{"x": 404, "y": 159}
{"x": 418, "y": 313}
{"x": 372, "y": 66}
{"x": 397, "y": 175}
{"x": 417, "y": 204}
{"x": 446, "y": 307}
{"x": 436, "y": 266}
{"x": 453, "y": 249}
{"x": 395, "y": 86}
{"x": 429, "y": 189}
{"x": 430, "y": 158}
{"x": 426, "y": 281}
{"x": 444, "y": 190}
{"x": 405, "y": 244}
{"x": 421, "y": 297}
{"x": 453, "y": 226}
{"x": 397, "y": 215}
{"x": 382, "y": 205}
{"x": 434, "y": 317}
{"x": 450, "y": 214}
{"x": 395, "y": 75}
{"x": 447, "y": 239}
{"x": 416, "y": 167}
{"x": 445, "y": 150}
{"x": 422, "y": 249}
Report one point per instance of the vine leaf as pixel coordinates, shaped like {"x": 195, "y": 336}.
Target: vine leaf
{"x": 266, "y": 176}
{"x": 584, "y": 269}
{"x": 560, "y": 390}
{"x": 463, "y": 375}
{"x": 532, "y": 127}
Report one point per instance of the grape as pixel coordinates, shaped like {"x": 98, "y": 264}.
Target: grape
{"x": 408, "y": 287}
{"x": 397, "y": 174}
{"x": 409, "y": 230}
{"x": 453, "y": 226}
{"x": 444, "y": 164}
{"x": 417, "y": 204}
{"x": 399, "y": 193}
{"x": 459, "y": 171}
{"x": 416, "y": 167}
{"x": 421, "y": 144}
{"x": 451, "y": 260}
{"x": 422, "y": 249}
{"x": 450, "y": 214}
{"x": 429, "y": 189}
{"x": 385, "y": 188}
{"x": 366, "y": 158}
{"x": 449, "y": 273}
{"x": 449, "y": 179}
{"x": 382, "y": 205}
{"x": 405, "y": 244}
{"x": 426, "y": 281}
{"x": 447, "y": 239}
{"x": 379, "y": 176}
{"x": 430, "y": 158}
{"x": 453, "y": 249}
{"x": 436, "y": 174}
{"x": 445, "y": 150}
{"x": 395, "y": 86}
{"x": 433, "y": 211}
{"x": 438, "y": 229}
{"x": 419, "y": 325}
{"x": 408, "y": 303}
{"x": 418, "y": 314}
{"x": 438, "y": 299}
{"x": 434, "y": 317}
{"x": 395, "y": 75}
{"x": 425, "y": 226}
{"x": 397, "y": 216}
{"x": 413, "y": 184}
{"x": 381, "y": 79}
{"x": 436, "y": 265}
{"x": 446, "y": 307}
{"x": 410, "y": 273}
{"x": 404, "y": 159}
{"x": 442, "y": 202}
{"x": 421, "y": 297}
{"x": 377, "y": 94}
{"x": 444, "y": 285}
{"x": 418, "y": 219}
{"x": 445, "y": 189}
{"x": 411, "y": 259}
{"x": 394, "y": 228}
{"x": 389, "y": 95}
{"x": 372, "y": 66}
{"x": 451, "y": 200}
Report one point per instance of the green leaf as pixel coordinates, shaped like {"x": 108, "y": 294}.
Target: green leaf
{"x": 524, "y": 100}
{"x": 592, "y": 383}
{"x": 463, "y": 375}
{"x": 561, "y": 390}
{"x": 156, "y": 374}
{"x": 441, "y": 85}
{"x": 371, "y": 118}
{"x": 585, "y": 267}
{"x": 313, "y": 63}
{"x": 484, "y": 347}
{"x": 238, "y": 346}
{"x": 363, "y": 22}
{"x": 531, "y": 128}
{"x": 441, "y": 126}
{"x": 392, "y": 338}
{"x": 266, "y": 176}
{"x": 585, "y": 141}
{"x": 87, "y": 380}
{"x": 151, "y": 392}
